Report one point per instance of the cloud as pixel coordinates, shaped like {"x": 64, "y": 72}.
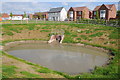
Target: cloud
{"x": 28, "y": 7}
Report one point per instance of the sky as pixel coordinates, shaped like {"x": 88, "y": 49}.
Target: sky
{"x": 32, "y": 6}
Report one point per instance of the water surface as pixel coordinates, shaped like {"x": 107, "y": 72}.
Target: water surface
{"x": 64, "y": 58}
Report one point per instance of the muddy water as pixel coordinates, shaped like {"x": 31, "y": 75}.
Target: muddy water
{"x": 64, "y": 58}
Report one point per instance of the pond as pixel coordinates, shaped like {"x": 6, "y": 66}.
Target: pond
{"x": 71, "y": 59}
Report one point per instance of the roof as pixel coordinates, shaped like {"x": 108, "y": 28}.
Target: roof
{"x": 55, "y": 9}
{"x": 5, "y": 15}
{"x": 79, "y": 8}
{"x": 108, "y": 6}
{"x": 17, "y": 15}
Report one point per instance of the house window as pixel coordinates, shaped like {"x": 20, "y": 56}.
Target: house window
{"x": 71, "y": 12}
{"x": 80, "y": 12}
{"x": 94, "y": 12}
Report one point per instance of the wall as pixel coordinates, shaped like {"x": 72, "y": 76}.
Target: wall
{"x": 63, "y": 15}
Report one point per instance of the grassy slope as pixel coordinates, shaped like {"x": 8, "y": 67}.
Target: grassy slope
{"x": 96, "y": 35}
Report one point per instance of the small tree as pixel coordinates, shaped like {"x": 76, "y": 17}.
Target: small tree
{"x": 97, "y": 15}
{"x": 24, "y": 16}
{"x": 118, "y": 15}
{"x": 40, "y": 15}
{"x": 11, "y": 15}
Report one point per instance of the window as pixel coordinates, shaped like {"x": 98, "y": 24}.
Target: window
{"x": 94, "y": 12}
{"x": 71, "y": 12}
{"x": 80, "y": 12}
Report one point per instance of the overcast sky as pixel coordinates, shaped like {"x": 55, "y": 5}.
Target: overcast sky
{"x": 31, "y": 6}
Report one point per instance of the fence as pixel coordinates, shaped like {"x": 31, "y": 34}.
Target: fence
{"x": 113, "y": 23}
{"x": 30, "y": 21}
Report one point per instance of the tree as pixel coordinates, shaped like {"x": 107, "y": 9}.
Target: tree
{"x": 97, "y": 15}
{"x": 118, "y": 16}
{"x": 11, "y": 15}
{"x": 40, "y": 15}
{"x": 24, "y": 16}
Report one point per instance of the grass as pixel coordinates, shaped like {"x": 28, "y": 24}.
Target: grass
{"x": 44, "y": 70}
{"x": 96, "y": 34}
{"x": 88, "y": 32}
{"x": 29, "y": 75}
{"x": 8, "y": 71}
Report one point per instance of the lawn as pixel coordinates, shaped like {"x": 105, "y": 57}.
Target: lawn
{"x": 88, "y": 34}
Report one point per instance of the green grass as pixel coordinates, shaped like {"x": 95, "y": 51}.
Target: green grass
{"x": 44, "y": 30}
{"x": 45, "y": 70}
{"x": 8, "y": 33}
{"x": 98, "y": 34}
{"x": 8, "y": 71}
{"x": 29, "y": 75}
{"x": 84, "y": 37}
{"x": 114, "y": 35}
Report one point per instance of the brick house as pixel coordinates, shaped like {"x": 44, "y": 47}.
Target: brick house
{"x": 41, "y": 15}
{"x": 5, "y": 16}
{"x": 30, "y": 16}
{"x": 105, "y": 11}
{"x": 75, "y": 13}
{"x": 45, "y": 15}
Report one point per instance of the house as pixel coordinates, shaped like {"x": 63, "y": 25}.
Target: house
{"x": 105, "y": 11}
{"x": 0, "y": 18}
{"x": 45, "y": 15}
{"x": 30, "y": 16}
{"x": 17, "y": 17}
{"x": 41, "y": 15}
{"x": 5, "y": 16}
{"x": 76, "y": 13}
{"x": 57, "y": 14}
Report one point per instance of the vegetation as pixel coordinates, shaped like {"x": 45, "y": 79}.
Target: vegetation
{"x": 11, "y": 15}
{"x": 8, "y": 71}
{"x": 24, "y": 15}
{"x": 88, "y": 34}
{"x": 118, "y": 15}
{"x": 97, "y": 15}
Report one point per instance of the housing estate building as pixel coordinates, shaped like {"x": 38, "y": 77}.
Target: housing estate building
{"x": 16, "y": 17}
{"x": 30, "y": 16}
{"x": 5, "y": 16}
{"x": 41, "y": 15}
{"x": 57, "y": 14}
{"x": 76, "y": 13}
{"x": 105, "y": 11}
